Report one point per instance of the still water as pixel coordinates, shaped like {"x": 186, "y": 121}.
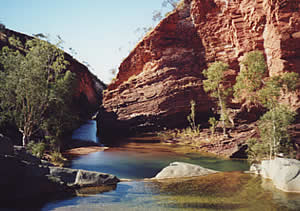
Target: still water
{"x": 233, "y": 190}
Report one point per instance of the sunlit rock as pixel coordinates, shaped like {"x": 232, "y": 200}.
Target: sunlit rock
{"x": 180, "y": 169}
{"x": 285, "y": 173}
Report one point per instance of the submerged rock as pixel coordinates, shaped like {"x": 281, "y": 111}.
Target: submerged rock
{"x": 180, "y": 169}
{"x": 285, "y": 173}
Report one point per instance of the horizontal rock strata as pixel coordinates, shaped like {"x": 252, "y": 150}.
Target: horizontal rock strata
{"x": 163, "y": 73}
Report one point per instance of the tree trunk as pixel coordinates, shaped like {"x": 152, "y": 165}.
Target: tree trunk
{"x": 24, "y": 140}
{"x": 222, "y": 113}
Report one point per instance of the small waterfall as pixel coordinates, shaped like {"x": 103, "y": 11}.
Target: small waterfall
{"x": 86, "y": 132}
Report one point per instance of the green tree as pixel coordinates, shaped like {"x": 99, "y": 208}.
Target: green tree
{"x": 273, "y": 127}
{"x": 192, "y": 118}
{"x": 274, "y": 124}
{"x": 215, "y": 85}
{"x": 35, "y": 86}
{"x": 250, "y": 78}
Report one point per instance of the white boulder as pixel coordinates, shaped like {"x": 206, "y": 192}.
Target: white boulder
{"x": 285, "y": 173}
{"x": 180, "y": 169}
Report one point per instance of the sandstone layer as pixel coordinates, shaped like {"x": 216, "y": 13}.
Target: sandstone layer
{"x": 163, "y": 73}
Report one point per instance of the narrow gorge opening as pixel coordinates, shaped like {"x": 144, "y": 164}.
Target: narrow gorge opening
{"x": 87, "y": 132}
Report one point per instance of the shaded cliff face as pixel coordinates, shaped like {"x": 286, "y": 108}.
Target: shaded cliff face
{"x": 88, "y": 93}
{"x": 163, "y": 73}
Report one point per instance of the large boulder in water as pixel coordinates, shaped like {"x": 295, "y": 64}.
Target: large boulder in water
{"x": 180, "y": 169}
{"x": 285, "y": 173}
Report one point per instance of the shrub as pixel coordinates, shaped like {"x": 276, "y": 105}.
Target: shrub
{"x": 213, "y": 122}
{"x": 37, "y": 149}
{"x": 57, "y": 158}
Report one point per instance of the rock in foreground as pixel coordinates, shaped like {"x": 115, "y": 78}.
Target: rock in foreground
{"x": 27, "y": 179}
{"x": 180, "y": 169}
{"x": 82, "y": 178}
{"x": 285, "y": 173}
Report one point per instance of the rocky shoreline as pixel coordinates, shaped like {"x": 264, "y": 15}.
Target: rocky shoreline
{"x": 25, "y": 178}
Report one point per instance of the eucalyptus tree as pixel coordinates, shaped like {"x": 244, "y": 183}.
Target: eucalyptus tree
{"x": 35, "y": 86}
{"x": 274, "y": 124}
{"x": 215, "y": 85}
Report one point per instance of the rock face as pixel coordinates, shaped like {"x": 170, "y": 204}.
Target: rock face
{"x": 163, "y": 73}
{"x": 285, "y": 173}
{"x": 88, "y": 94}
{"x": 180, "y": 169}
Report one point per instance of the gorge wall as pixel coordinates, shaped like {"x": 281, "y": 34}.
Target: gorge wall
{"x": 88, "y": 93}
{"x": 163, "y": 73}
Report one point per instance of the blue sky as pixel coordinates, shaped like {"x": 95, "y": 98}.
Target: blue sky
{"x": 102, "y": 32}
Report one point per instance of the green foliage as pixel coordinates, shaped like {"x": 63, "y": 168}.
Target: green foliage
{"x": 272, "y": 89}
{"x": 192, "y": 116}
{"x": 213, "y": 124}
{"x": 252, "y": 88}
{"x": 250, "y": 78}
{"x": 57, "y": 158}
{"x": 37, "y": 149}
{"x": 36, "y": 89}
{"x": 216, "y": 87}
{"x": 215, "y": 77}
{"x": 273, "y": 128}
{"x": 274, "y": 124}
{"x": 257, "y": 150}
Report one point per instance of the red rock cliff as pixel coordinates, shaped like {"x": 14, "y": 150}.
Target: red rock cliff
{"x": 162, "y": 74}
{"x": 88, "y": 94}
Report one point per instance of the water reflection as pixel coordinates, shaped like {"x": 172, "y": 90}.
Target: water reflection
{"x": 127, "y": 162}
{"x": 222, "y": 191}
